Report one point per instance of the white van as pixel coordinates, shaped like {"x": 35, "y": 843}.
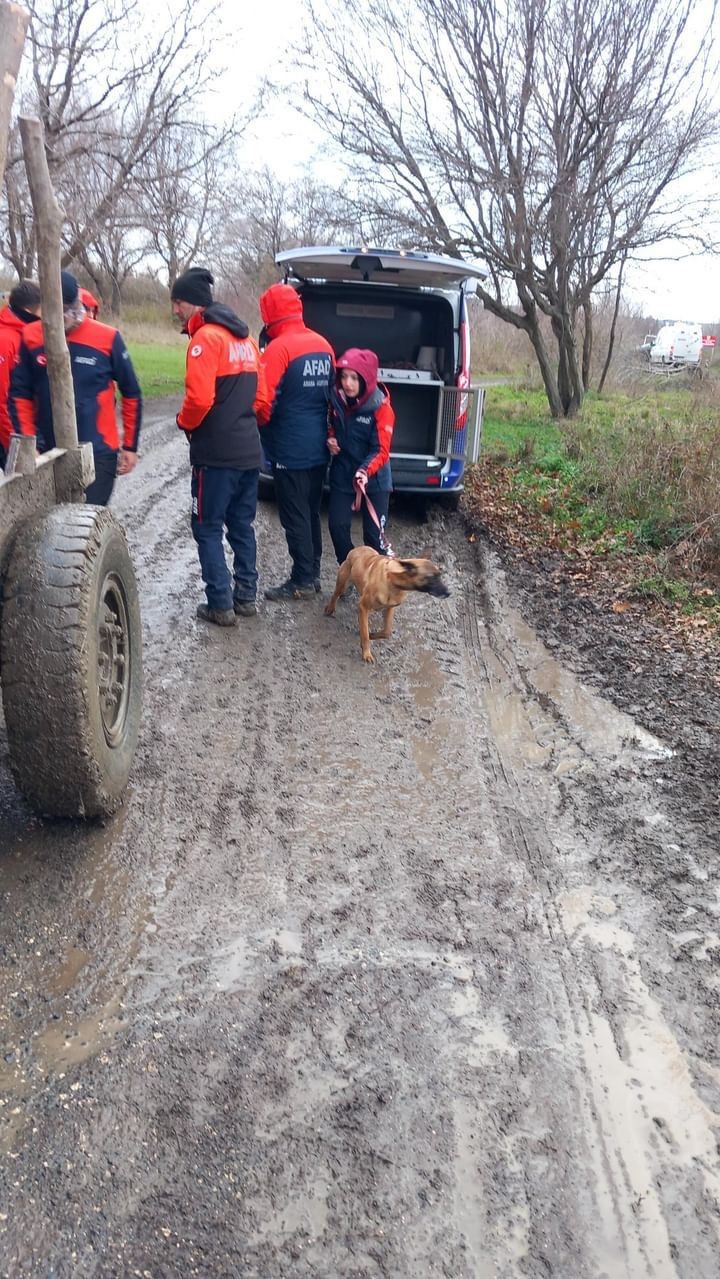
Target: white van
{"x": 677, "y": 344}
{"x": 410, "y": 308}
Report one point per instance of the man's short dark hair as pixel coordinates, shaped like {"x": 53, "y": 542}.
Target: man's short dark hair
{"x": 25, "y": 296}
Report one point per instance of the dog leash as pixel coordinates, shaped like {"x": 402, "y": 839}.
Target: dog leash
{"x": 379, "y": 523}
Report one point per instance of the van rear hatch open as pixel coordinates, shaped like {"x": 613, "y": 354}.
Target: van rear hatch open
{"x": 389, "y": 266}
{"x": 408, "y": 308}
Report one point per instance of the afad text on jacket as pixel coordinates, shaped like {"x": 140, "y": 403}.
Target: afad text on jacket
{"x": 223, "y": 381}
{"x": 98, "y": 359}
{"x": 298, "y": 366}
{"x": 363, "y": 428}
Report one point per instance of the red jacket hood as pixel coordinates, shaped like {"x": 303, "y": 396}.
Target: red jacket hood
{"x": 10, "y": 319}
{"x": 280, "y": 302}
{"x": 364, "y": 363}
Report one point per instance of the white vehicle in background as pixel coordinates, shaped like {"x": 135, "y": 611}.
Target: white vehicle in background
{"x": 676, "y": 345}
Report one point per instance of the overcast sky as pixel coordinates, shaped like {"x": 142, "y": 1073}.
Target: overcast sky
{"x": 685, "y": 289}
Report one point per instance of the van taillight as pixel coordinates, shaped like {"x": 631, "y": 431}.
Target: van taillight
{"x": 432, "y": 479}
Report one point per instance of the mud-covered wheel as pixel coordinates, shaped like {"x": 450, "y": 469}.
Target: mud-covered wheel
{"x": 71, "y": 661}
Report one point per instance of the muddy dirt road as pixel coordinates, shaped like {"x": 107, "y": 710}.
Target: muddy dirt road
{"x": 398, "y": 971}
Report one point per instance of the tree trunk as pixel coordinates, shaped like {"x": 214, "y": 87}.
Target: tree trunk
{"x": 570, "y": 386}
{"x": 115, "y": 297}
{"x": 13, "y": 25}
{"x": 611, "y": 339}
{"x": 48, "y": 225}
{"x": 546, "y": 369}
{"x": 587, "y": 345}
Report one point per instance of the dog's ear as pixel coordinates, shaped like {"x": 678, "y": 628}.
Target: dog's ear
{"x": 409, "y": 566}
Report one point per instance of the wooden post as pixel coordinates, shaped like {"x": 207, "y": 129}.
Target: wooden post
{"x": 48, "y": 225}
{"x": 13, "y": 25}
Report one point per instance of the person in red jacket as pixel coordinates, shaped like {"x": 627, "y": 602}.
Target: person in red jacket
{"x": 100, "y": 362}
{"x": 360, "y": 431}
{"x": 298, "y": 365}
{"x": 223, "y": 383}
{"x": 23, "y": 307}
{"x": 90, "y": 302}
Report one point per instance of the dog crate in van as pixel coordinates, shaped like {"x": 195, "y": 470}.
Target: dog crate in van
{"x": 410, "y": 308}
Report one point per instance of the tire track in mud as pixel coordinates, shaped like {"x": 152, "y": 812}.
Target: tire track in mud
{"x": 354, "y": 968}
{"x": 634, "y": 1235}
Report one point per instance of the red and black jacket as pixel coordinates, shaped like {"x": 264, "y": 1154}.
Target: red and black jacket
{"x": 223, "y": 380}
{"x": 11, "y": 329}
{"x": 298, "y": 365}
{"x": 363, "y": 428}
{"x": 99, "y": 360}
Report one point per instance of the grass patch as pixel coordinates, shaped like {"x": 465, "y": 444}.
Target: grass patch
{"x": 517, "y": 424}
{"x": 160, "y": 366}
{"x": 633, "y": 479}
{"x": 691, "y": 601}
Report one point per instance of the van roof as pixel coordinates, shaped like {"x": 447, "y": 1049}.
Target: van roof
{"x": 408, "y": 267}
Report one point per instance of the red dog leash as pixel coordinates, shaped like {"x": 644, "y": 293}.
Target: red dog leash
{"x": 360, "y": 493}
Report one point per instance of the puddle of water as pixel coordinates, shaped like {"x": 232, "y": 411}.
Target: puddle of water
{"x": 507, "y": 712}
{"x": 426, "y": 756}
{"x": 310, "y": 1213}
{"x": 61, "y": 981}
{"x": 489, "y": 1036}
{"x": 648, "y": 1088}
{"x": 470, "y": 1208}
{"x": 232, "y": 966}
{"x": 427, "y": 682}
{"x": 13, "y": 1080}
{"x": 67, "y": 1043}
{"x": 599, "y": 729}
{"x": 602, "y": 729}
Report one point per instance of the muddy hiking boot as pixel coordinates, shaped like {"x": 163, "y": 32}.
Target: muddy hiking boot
{"x": 317, "y": 585}
{"x": 290, "y": 591}
{"x": 245, "y": 608}
{"x": 219, "y": 616}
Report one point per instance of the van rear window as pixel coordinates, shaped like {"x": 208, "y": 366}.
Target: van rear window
{"x": 365, "y": 310}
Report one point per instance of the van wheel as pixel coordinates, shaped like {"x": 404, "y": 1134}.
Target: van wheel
{"x": 71, "y": 655}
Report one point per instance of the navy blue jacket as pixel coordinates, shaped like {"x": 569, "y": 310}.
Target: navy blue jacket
{"x": 364, "y": 432}
{"x": 298, "y": 365}
{"x": 99, "y": 359}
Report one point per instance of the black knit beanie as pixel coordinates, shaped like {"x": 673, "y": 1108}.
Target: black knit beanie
{"x": 194, "y": 286}
{"x": 70, "y": 288}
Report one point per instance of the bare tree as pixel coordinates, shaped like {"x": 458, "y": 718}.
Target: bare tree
{"x": 180, "y": 192}
{"x": 552, "y": 139}
{"x": 264, "y": 214}
{"x": 107, "y": 81}
{"x": 17, "y": 241}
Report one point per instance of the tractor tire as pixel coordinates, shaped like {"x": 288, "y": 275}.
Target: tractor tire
{"x": 71, "y": 662}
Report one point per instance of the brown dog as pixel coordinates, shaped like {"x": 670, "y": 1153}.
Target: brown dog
{"x": 382, "y": 585}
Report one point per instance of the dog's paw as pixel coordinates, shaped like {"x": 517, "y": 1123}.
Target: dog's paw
{"x": 329, "y": 610}
{"x": 368, "y": 657}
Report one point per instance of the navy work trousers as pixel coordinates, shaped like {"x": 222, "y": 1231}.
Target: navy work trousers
{"x": 299, "y": 495}
{"x": 340, "y": 515}
{"x": 100, "y": 491}
{"x": 225, "y": 498}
